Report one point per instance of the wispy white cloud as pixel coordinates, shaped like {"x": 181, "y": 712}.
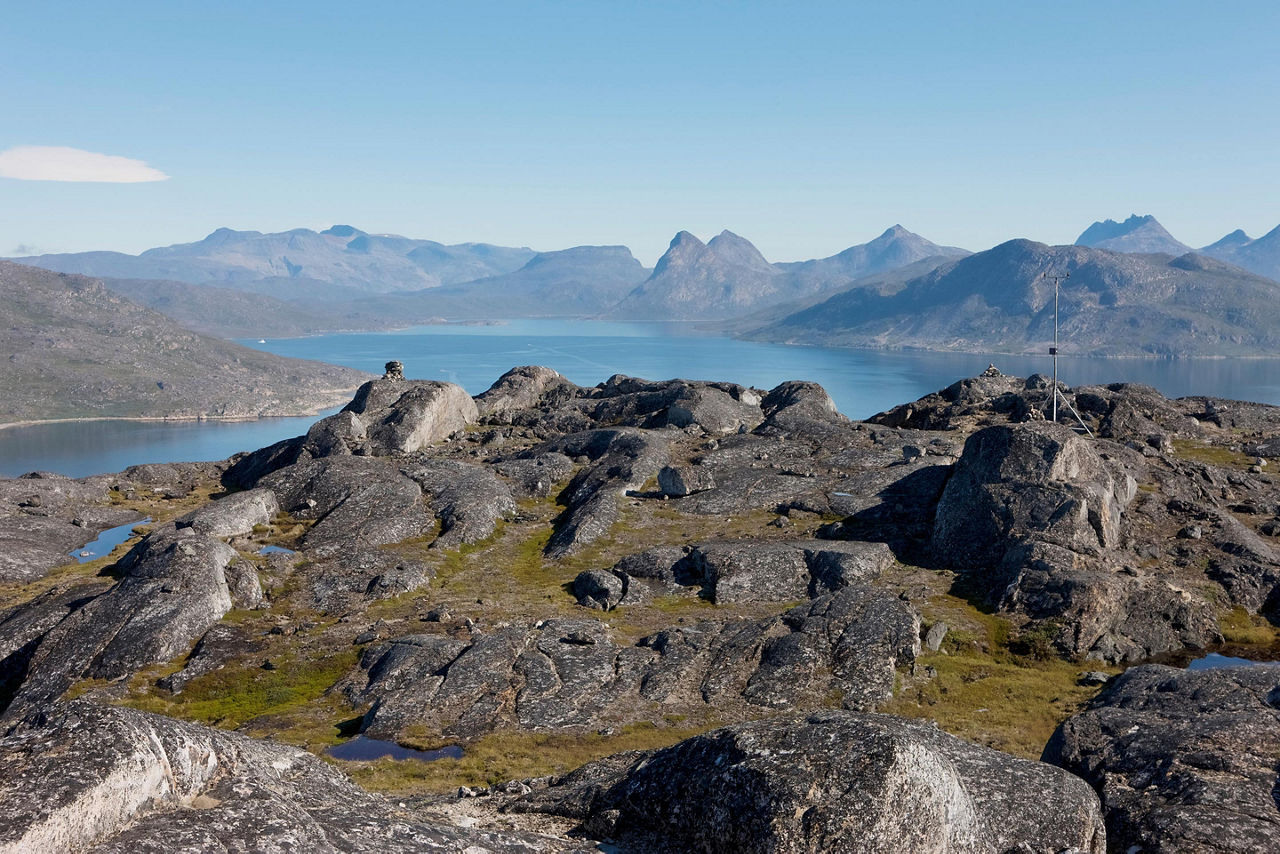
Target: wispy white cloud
{"x": 59, "y": 163}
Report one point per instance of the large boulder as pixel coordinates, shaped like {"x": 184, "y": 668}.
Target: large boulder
{"x": 393, "y": 417}
{"x": 831, "y": 781}
{"x": 1029, "y": 481}
{"x": 80, "y": 777}
{"x": 1184, "y": 760}
{"x": 519, "y": 390}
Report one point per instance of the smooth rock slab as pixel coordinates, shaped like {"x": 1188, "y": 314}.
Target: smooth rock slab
{"x": 85, "y": 777}
{"x": 831, "y": 781}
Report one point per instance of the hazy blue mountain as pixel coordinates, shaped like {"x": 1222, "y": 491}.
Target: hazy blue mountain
{"x": 728, "y": 277}
{"x": 896, "y": 248}
{"x": 576, "y": 282}
{"x": 1135, "y": 234}
{"x": 1261, "y": 256}
{"x": 1115, "y": 304}
{"x": 341, "y": 256}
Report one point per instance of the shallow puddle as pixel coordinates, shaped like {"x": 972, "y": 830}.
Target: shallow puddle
{"x": 107, "y": 541}
{"x": 362, "y": 749}
{"x": 1214, "y": 660}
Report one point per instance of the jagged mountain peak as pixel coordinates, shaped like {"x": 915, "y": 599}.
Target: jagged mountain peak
{"x": 1138, "y": 233}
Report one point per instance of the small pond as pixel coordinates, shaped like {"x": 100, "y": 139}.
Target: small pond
{"x": 1215, "y": 660}
{"x": 270, "y": 550}
{"x": 106, "y": 541}
{"x": 363, "y": 749}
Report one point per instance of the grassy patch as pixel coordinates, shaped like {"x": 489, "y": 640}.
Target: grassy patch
{"x": 506, "y": 756}
{"x": 1214, "y": 455}
{"x": 995, "y": 685}
{"x": 242, "y": 691}
{"x": 1241, "y": 627}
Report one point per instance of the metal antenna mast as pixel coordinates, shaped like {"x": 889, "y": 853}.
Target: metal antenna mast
{"x": 1053, "y": 351}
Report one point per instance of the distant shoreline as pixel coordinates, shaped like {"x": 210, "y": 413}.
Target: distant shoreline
{"x": 156, "y": 418}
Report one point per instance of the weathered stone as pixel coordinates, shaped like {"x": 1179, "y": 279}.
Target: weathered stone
{"x": 620, "y": 460}
{"x": 523, "y": 389}
{"x": 393, "y": 417}
{"x": 1184, "y": 760}
{"x": 355, "y": 502}
{"x": 598, "y": 588}
{"x": 937, "y": 634}
{"x": 570, "y": 673}
{"x": 831, "y": 781}
{"x": 467, "y": 499}
{"x": 536, "y": 477}
{"x": 173, "y": 588}
{"x": 146, "y": 783}
{"x": 234, "y": 515}
{"x": 679, "y": 481}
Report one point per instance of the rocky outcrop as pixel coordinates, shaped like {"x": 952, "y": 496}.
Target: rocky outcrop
{"x": 232, "y": 516}
{"x": 831, "y": 781}
{"x": 79, "y": 776}
{"x": 523, "y": 389}
{"x": 1184, "y": 760}
{"x": 45, "y": 517}
{"x": 173, "y": 587}
{"x": 618, "y": 460}
{"x": 778, "y": 571}
{"x": 467, "y": 499}
{"x": 572, "y": 674}
{"x": 354, "y": 501}
{"x": 392, "y": 416}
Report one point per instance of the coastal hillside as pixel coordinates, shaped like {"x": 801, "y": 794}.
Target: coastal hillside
{"x": 1113, "y": 304}
{"x": 72, "y": 349}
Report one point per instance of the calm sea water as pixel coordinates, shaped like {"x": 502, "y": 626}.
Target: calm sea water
{"x": 861, "y": 382}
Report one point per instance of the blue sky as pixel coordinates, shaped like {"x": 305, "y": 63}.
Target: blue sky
{"x": 806, "y": 127}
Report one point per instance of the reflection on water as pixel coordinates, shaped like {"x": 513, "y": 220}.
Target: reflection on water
{"x": 81, "y": 448}
{"x": 862, "y": 382}
{"x": 1215, "y": 660}
{"x": 362, "y": 749}
{"x": 107, "y": 541}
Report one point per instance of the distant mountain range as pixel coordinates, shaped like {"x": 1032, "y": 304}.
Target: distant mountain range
{"x": 1145, "y": 234}
{"x": 1113, "y": 304}
{"x": 728, "y": 277}
{"x": 75, "y": 349}
{"x": 345, "y": 278}
{"x": 288, "y": 261}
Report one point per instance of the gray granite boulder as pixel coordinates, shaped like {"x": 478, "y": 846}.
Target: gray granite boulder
{"x": 393, "y": 417}
{"x": 831, "y": 781}
{"x": 1184, "y": 760}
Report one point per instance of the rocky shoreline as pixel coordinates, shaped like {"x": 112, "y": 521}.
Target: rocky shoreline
{"x": 659, "y": 616}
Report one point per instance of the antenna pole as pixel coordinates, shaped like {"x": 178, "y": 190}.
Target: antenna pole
{"x": 1053, "y": 351}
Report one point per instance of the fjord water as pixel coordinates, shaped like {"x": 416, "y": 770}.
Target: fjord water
{"x": 862, "y": 382}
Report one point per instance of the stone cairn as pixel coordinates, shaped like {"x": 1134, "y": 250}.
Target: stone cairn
{"x": 394, "y": 371}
